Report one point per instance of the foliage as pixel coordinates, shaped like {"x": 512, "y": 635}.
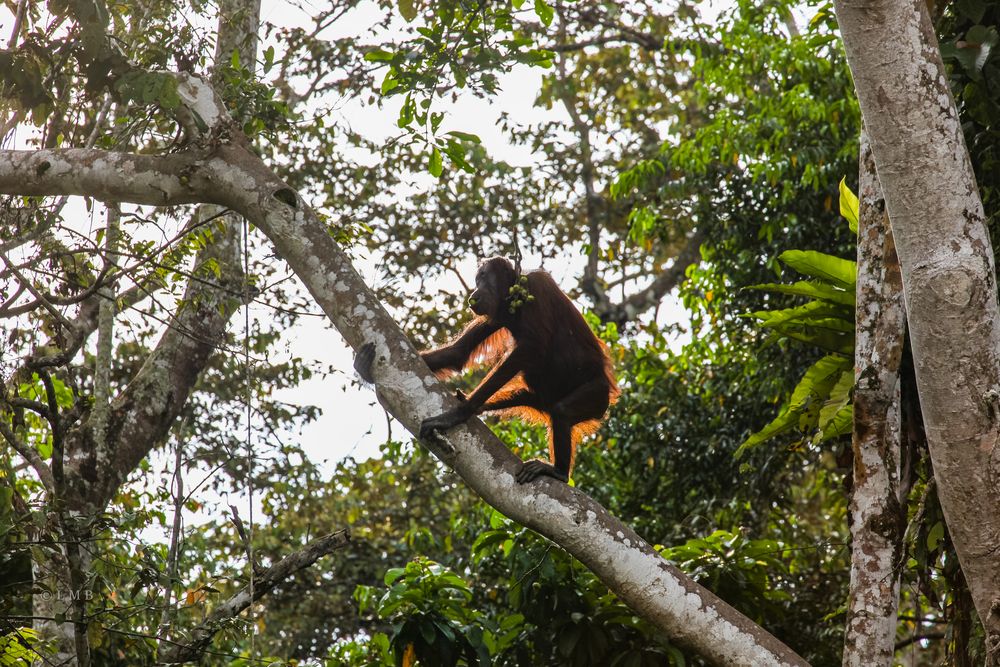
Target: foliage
{"x": 969, "y": 37}
{"x": 734, "y": 567}
{"x": 460, "y": 45}
{"x": 16, "y": 647}
{"x": 432, "y": 618}
{"x": 821, "y": 401}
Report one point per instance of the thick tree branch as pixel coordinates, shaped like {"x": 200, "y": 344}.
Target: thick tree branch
{"x": 235, "y": 177}
{"x": 201, "y": 636}
{"x": 684, "y": 611}
{"x": 165, "y": 180}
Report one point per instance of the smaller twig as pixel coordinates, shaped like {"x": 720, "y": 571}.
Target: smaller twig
{"x": 244, "y": 538}
{"x": 35, "y": 293}
{"x": 173, "y": 551}
{"x": 18, "y": 19}
{"x": 12, "y": 300}
{"x": 903, "y": 643}
{"x": 31, "y": 456}
{"x": 55, "y": 425}
{"x": 39, "y": 408}
{"x": 537, "y": 565}
{"x": 202, "y": 635}
{"x": 458, "y": 274}
{"x": 55, "y": 300}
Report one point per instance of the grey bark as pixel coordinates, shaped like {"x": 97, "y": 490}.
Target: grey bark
{"x": 875, "y": 508}
{"x": 947, "y": 268}
{"x": 105, "y": 330}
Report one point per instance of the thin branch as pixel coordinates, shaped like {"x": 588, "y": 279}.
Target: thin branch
{"x": 173, "y": 552}
{"x": 641, "y": 301}
{"x": 18, "y": 19}
{"x": 55, "y": 300}
{"x": 646, "y": 41}
{"x": 31, "y": 456}
{"x": 202, "y": 634}
{"x": 919, "y": 637}
{"x": 57, "y": 431}
{"x": 244, "y": 538}
{"x": 37, "y": 407}
{"x": 34, "y": 292}
{"x": 12, "y": 300}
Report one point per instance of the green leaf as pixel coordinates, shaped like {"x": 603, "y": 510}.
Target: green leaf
{"x": 427, "y": 631}
{"x": 456, "y": 151}
{"x": 841, "y": 424}
{"x": 813, "y": 289}
{"x": 815, "y": 386}
{"x": 826, "y": 339}
{"x": 379, "y": 56}
{"x": 435, "y": 164}
{"x": 545, "y": 13}
{"x": 811, "y": 314}
{"x": 464, "y": 136}
{"x": 568, "y": 639}
{"x": 406, "y": 113}
{"x": 408, "y": 8}
{"x": 445, "y": 629}
{"x": 486, "y": 540}
{"x": 935, "y": 535}
{"x": 45, "y": 447}
{"x": 974, "y": 10}
{"x": 840, "y": 397}
{"x": 849, "y": 205}
{"x": 842, "y": 272}
{"x": 389, "y": 82}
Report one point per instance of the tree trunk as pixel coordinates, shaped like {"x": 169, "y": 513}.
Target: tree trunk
{"x": 876, "y": 514}
{"x": 947, "y": 267}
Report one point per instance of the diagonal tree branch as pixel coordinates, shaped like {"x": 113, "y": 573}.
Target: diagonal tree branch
{"x": 628, "y": 309}
{"x": 201, "y": 636}
{"x": 29, "y": 454}
{"x": 685, "y": 612}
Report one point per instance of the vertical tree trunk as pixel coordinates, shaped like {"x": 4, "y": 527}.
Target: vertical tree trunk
{"x": 876, "y": 517}
{"x": 65, "y": 576}
{"x": 947, "y": 267}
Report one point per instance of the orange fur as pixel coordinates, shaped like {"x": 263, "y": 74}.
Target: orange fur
{"x": 491, "y": 350}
